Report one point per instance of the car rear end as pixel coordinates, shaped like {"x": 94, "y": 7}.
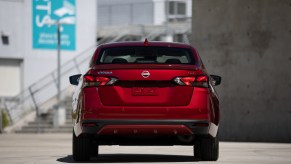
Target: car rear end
{"x": 146, "y": 94}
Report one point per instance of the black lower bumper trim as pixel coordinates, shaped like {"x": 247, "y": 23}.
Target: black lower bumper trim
{"x": 198, "y": 127}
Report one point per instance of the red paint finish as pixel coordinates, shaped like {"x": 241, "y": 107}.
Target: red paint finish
{"x": 151, "y": 90}
{"x": 197, "y": 108}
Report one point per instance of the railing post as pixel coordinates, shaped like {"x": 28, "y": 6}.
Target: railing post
{"x": 7, "y": 112}
{"x": 55, "y": 80}
{"x": 110, "y": 15}
{"x": 1, "y": 126}
{"x": 131, "y": 16}
{"x": 33, "y": 100}
{"x": 36, "y": 108}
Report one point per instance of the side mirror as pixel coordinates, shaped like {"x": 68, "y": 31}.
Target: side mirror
{"x": 74, "y": 80}
{"x": 215, "y": 80}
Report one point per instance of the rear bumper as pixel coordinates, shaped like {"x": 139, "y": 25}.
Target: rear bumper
{"x": 130, "y": 127}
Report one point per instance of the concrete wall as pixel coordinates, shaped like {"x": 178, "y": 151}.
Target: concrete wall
{"x": 248, "y": 43}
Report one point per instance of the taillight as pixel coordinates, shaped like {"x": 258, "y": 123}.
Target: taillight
{"x": 196, "y": 81}
{"x": 93, "y": 81}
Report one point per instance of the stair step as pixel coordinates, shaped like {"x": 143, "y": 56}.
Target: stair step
{"x": 41, "y": 122}
{"x": 50, "y": 122}
{"x": 56, "y": 130}
{"x": 44, "y": 123}
{"x": 45, "y": 128}
{"x": 37, "y": 126}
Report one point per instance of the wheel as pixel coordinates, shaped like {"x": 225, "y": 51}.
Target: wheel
{"x": 207, "y": 149}
{"x": 81, "y": 148}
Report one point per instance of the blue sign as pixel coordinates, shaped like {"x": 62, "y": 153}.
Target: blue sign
{"x": 45, "y": 15}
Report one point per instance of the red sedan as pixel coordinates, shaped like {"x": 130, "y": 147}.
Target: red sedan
{"x": 145, "y": 93}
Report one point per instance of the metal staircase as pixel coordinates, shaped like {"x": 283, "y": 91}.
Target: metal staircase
{"x": 40, "y": 97}
{"x": 44, "y": 122}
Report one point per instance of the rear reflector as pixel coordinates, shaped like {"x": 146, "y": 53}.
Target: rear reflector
{"x": 88, "y": 124}
{"x": 200, "y": 124}
{"x": 196, "y": 81}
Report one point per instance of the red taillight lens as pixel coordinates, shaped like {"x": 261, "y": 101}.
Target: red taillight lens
{"x": 202, "y": 78}
{"x": 92, "y": 81}
{"x": 88, "y": 78}
{"x": 102, "y": 80}
{"x": 196, "y": 81}
{"x": 188, "y": 80}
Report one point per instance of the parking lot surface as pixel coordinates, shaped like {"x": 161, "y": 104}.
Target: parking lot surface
{"x": 56, "y": 148}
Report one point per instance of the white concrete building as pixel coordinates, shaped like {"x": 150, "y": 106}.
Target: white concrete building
{"x": 134, "y": 20}
{"x": 145, "y": 12}
{"x": 28, "y": 51}
{"x": 28, "y": 43}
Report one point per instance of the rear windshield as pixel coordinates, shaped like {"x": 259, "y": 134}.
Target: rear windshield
{"x": 145, "y": 55}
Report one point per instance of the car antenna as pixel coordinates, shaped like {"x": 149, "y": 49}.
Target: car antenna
{"x": 146, "y": 42}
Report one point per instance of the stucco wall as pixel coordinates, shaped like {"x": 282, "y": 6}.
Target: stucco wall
{"x": 12, "y": 25}
{"x": 248, "y": 43}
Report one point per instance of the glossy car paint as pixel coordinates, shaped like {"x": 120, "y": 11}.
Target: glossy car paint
{"x": 145, "y": 93}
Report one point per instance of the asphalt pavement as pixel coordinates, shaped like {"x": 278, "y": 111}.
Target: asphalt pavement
{"x": 56, "y": 148}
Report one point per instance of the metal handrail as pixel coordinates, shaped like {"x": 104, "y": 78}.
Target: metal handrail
{"x": 33, "y": 97}
{"x": 27, "y": 99}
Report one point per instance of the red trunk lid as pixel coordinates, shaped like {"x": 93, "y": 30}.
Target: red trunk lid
{"x": 145, "y": 85}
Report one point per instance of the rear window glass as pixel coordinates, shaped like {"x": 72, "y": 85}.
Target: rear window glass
{"x": 145, "y": 55}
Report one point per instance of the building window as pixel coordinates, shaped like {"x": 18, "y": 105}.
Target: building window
{"x": 5, "y": 39}
{"x": 171, "y": 8}
{"x": 176, "y": 9}
{"x": 181, "y": 8}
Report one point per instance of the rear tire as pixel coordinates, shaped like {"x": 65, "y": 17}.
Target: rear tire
{"x": 207, "y": 149}
{"x": 81, "y": 148}
{"x": 94, "y": 148}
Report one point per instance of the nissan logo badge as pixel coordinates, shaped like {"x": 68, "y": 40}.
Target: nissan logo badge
{"x": 145, "y": 74}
